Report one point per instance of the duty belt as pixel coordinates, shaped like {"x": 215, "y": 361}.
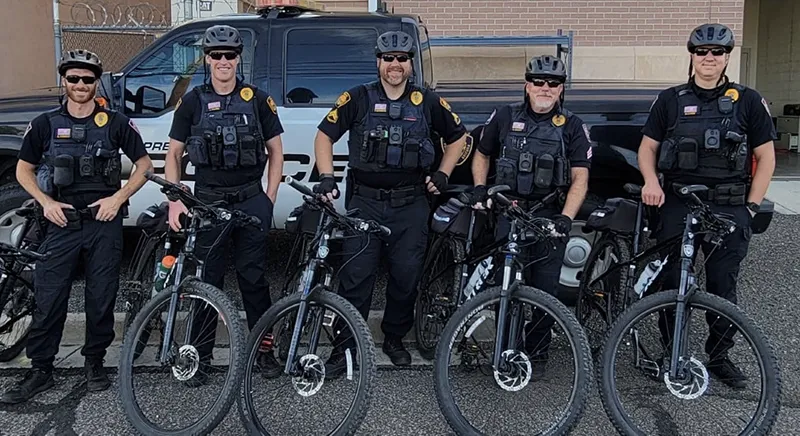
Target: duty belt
{"x": 230, "y": 195}
{"x": 398, "y": 196}
{"x": 724, "y": 194}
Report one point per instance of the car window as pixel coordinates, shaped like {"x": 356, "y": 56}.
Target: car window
{"x": 322, "y": 63}
{"x": 173, "y": 69}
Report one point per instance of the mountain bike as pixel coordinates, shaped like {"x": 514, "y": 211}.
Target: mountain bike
{"x": 296, "y": 325}
{"x": 513, "y": 357}
{"x": 684, "y": 375}
{"x": 188, "y": 362}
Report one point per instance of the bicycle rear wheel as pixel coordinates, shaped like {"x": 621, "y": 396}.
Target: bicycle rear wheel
{"x": 309, "y": 370}
{"x": 193, "y": 360}
{"x": 16, "y": 316}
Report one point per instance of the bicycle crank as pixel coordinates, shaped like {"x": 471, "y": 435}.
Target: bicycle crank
{"x": 187, "y": 363}
{"x": 694, "y": 380}
{"x": 516, "y": 372}
{"x": 312, "y": 377}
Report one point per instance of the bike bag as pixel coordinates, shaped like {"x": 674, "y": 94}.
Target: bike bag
{"x": 453, "y": 218}
{"x": 302, "y": 219}
{"x": 616, "y": 215}
{"x": 763, "y": 218}
{"x": 154, "y": 219}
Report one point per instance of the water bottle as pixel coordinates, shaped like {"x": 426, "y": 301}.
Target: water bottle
{"x": 478, "y": 276}
{"x": 646, "y": 278}
{"x": 161, "y": 274}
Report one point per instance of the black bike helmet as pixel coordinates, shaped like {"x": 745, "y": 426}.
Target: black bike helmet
{"x": 395, "y": 42}
{"x": 546, "y": 66}
{"x": 222, "y": 37}
{"x": 711, "y": 34}
{"x": 80, "y": 59}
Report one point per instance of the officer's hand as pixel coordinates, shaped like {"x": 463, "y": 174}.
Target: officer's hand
{"x": 652, "y": 194}
{"x": 176, "y": 208}
{"x": 53, "y": 212}
{"x": 108, "y": 208}
{"x": 477, "y": 197}
{"x": 327, "y": 187}
{"x": 437, "y": 182}
{"x": 563, "y": 224}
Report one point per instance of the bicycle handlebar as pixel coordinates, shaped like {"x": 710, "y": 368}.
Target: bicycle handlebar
{"x": 23, "y": 252}
{"x": 176, "y": 192}
{"x": 317, "y": 200}
{"x": 540, "y": 225}
{"x": 715, "y": 221}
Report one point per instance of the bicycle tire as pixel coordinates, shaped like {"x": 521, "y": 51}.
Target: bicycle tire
{"x": 12, "y": 351}
{"x": 366, "y": 361}
{"x": 140, "y": 297}
{"x": 228, "y": 312}
{"x": 747, "y": 327}
{"x": 427, "y": 351}
{"x": 573, "y": 331}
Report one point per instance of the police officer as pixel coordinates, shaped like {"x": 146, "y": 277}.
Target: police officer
{"x": 392, "y": 123}
{"x": 538, "y": 147}
{"x": 224, "y": 126}
{"x": 79, "y": 189}
{"x": 705, "y": 132}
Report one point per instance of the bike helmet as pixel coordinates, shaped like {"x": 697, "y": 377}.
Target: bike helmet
{"x": 547, "y": 65}
{"x": 222, "y": 37}
{"x": 711, "y": 34}
{"x": 80, "y": 59}
{"x": 395, "y": 42}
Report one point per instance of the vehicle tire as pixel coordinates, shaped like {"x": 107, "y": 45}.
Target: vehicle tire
{"x": 572, "y": 330}
{"x": 366, "y": 360}
{"x": 769, "y": 403}
{"x": 12, "y": 196}
{"x": 227, "y": 311}
{"x": 452, "y": 252}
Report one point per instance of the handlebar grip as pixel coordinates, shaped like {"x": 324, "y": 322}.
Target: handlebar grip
{"x": 299, "y": 186}
{"x": 502, "y": 199}
{"x": 385, "y": 231}
{"x": 154, "y": 178}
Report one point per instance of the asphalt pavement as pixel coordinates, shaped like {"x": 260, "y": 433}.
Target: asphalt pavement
{"x": 404, "y": 401}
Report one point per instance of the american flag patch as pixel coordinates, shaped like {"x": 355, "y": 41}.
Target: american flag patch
{"x": 689, "y": 110}
{"x": 517, "y": 126}
{"x": 380, "y": 107}
{"x": 63, "y": 133}
{"x": 214, "y": 106}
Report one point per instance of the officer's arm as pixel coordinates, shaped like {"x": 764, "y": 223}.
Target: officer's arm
{"x": 580, "y": 157}
{"x": 765, "y": 167}
{"x": 488, "y": 144}
{"x": 647, "y": 159}
{"x": 178, "y": 134}
{"x": 653, "y": 133}
{"x": 336, "y": 122}
{"x": 760, "y": 132}
{"x": 133, "y": 146}
{"x": 172, "y": 162}
{"x": 480, "y": 168}
{"x": 275, "y": 166}
{"x": 449, "y": 126}
{"x": 323, "y": 152}
{"x": 26, "y": 176}
{"x": 577, "y": 191}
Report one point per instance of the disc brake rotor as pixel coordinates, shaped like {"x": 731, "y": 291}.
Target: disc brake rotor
{"x": 697, "y": 382}
{"x": 187, "y": 363}
{"x": 313, "y": 377}
{"x": 518, "y": 373}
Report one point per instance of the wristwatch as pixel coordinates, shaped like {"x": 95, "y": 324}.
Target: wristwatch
{"x": 753, "y": 206}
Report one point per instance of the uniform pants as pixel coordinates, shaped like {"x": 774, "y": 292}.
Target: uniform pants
{"x": 543, "y": 275}
{"x": 405, "y": 251}
{"x": 250, "y": 256}
{"x": 722, "y": 269}
{"x": 99, "y": 244}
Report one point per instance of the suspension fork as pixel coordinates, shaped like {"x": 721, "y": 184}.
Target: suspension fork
{"x": 687, "y": 254}
{"x": 506, "y": 290}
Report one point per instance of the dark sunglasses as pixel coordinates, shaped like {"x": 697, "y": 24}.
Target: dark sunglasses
{"x": 86, "y": 79}
{"x": 704, "y": 51}
{"x": 391, "y": 58}
{"x": 553, "y": 83}
{"x": 228, "y": 55}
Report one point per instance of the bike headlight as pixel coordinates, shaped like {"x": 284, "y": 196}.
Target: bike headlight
{"x": 322, "y": 252}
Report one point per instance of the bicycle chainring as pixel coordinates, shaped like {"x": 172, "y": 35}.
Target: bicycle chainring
{"x": 313, "y": 376}
{"x": 187, "y": 363}
{"x": 696, "y": 383}
{"x": 517, "y": 373}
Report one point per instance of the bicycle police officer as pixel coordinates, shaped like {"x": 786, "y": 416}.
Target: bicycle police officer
{"x": 78, "y": 186}
{"x": 391, "y": 152}
{"x": 538, "y": 147}
{"x": 705, "y": 132}
{"x": 224, "y": 127}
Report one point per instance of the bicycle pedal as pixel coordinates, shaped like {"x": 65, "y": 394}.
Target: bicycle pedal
{"x": 328, "y": 318}
{"x": 650, "y": 367}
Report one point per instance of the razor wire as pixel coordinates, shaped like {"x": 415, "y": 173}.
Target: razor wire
{"x": 105, "y": 14}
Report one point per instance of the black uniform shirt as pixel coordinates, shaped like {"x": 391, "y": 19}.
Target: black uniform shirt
{"x": 123, "y": 133}
{"x": 188, "y": 113}
{"x": 576, "y": 135}
{"x": 443, "y": 123}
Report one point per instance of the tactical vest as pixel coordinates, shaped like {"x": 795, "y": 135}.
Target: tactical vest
{"x": 80, "y": 157}
{"x": 228, "y": 135}
{"x": 533, "y": 160}
{"x": 707, "y": 141}
{"x": 393, "y": 135}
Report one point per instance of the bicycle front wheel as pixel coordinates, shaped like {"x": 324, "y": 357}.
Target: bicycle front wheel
{"x": 329, "y": 382}
{"x": 738, "y": 385}
{"x": 164, "y": 392}
{"x": 545, "y": 372}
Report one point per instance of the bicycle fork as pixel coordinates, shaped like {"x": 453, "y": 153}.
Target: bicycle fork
{"x": 685, "y": 290}
{"x": 506, "y": 290}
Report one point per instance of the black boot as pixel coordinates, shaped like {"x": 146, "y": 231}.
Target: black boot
{"x": 96, "y": 377}
{"x": 270, "y": 368}
{"x": 35, "y": 381}
{"x": 336, "y": 365}
{"x": 727, "y": 372}
{"x": 394, "y": 348}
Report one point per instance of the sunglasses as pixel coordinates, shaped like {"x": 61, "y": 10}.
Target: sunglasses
{"x": 86, "y": 79}
{"x": 552, "y": 83}
{"x": 704, "y": 51}
{"x": 228, "y": 55}
{"x": 391, "y": 58}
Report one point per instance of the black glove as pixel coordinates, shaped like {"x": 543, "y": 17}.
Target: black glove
{"x": 326, "y": 185}
{"x": 563, "y": 224}
{"x": 477, "y": 195}
{"x": 439, "y": 179}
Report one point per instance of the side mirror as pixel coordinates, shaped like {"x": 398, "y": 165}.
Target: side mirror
{"x": 151, "y": 99}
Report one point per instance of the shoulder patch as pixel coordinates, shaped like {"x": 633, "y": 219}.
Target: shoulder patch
{"x": 444, "y": 103}
{"x": 456, "y": 118}
{"x": 343, "y": 99}
{"x": 246, "y": 94}
{"x": 416, "y": 98}
{"x": 559, "y": 120}
{"x": 273, "y": 107}
{"x": 732, "y": 93}
{"x": 101, "y": 118}
{"x": 333, "y": 116}
{"x": 766, "y": 106}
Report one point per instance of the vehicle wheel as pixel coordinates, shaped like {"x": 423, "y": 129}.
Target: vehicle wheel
{"x": 12, "y": 196}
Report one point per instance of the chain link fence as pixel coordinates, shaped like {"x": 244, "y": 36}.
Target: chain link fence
{"x": 114, "y": 46}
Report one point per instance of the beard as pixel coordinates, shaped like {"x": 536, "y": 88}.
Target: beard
{"x": 395, "y": 76}
{"x": 81, "y": 96}
{"x": 544, "y": 104}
